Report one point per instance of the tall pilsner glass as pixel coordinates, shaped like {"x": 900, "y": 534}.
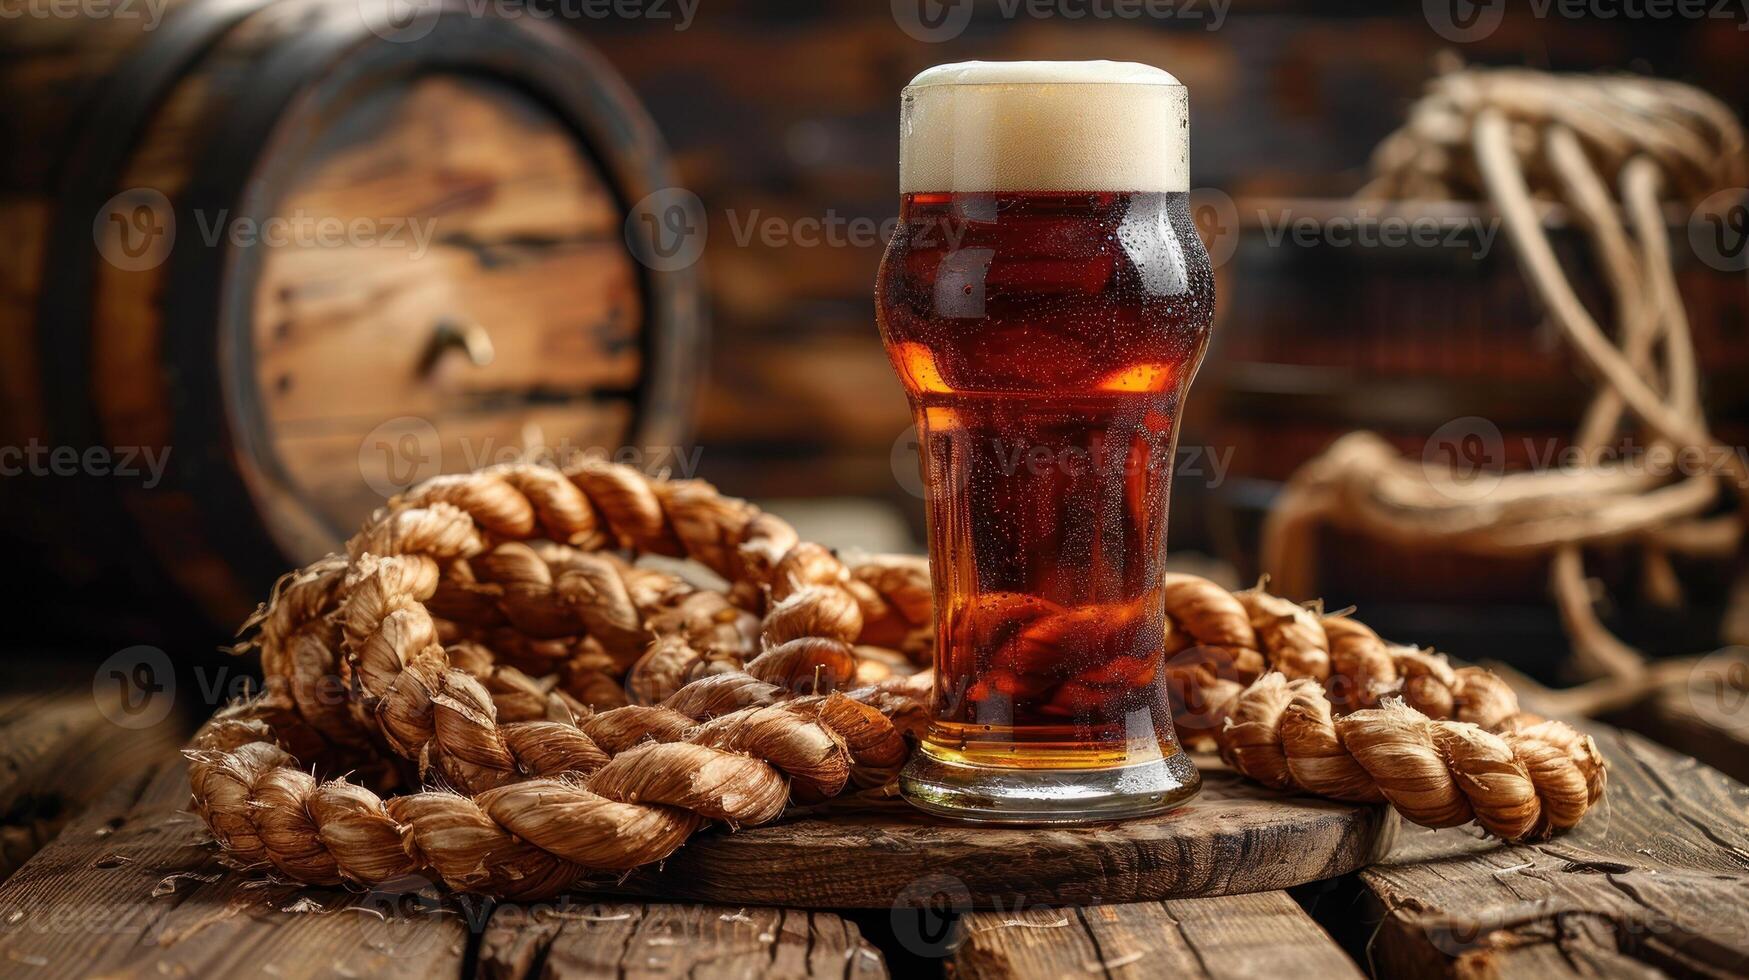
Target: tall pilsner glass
{"x": 1046, "y": 301}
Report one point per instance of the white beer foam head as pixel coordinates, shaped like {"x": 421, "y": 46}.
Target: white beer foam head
{"x": 1044, "y": 126}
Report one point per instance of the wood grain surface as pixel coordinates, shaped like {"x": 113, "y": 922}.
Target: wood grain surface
{"x": 524, "y": 243}
{"x": 1654, "y": 882}
{"x": 60, "y": 748}
{"x": 632, "y": 939}
{"x": 1235, "y": 837}
{"x": 134, "y": 888}
{"x": 1701, "y": 718}
{"x": 1259, "y": 935}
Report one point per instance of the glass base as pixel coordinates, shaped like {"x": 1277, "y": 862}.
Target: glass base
{"x": 1047, "y": 796}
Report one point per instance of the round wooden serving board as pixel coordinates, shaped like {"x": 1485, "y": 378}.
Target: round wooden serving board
{"x": 1235, "y": 837}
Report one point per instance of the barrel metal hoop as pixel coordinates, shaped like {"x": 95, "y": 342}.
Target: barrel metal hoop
{"x": 93, "y": 163}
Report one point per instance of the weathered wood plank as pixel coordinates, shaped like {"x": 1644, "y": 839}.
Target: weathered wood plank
{"x": 1673, "y": 716}
{"x": 1258, "y": 935}
{"x": 1655, "y": 882}
{"x": 629, "y": 939}
{"x": 59, "y": 750}
{"x": 1237, "y": 836}
{"x": 132, "y": 888}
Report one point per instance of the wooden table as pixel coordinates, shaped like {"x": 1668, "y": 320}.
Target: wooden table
{"x": 1654, "y": 882}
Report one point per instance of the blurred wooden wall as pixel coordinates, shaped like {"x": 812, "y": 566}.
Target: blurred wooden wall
{"x": 789, "y": 110}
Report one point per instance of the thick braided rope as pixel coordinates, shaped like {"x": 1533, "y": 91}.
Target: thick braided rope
{"x": 622, "y": 789}
{"x": 1218, "y": 642}
{"x": 1444, "y": 746}
{"x": 802, "y": 588}
{"x": 407, "y": 689}
{"x": 538, "y": 798}
{"x": 459, "y": 558}
{"x": 1519, "y": 783}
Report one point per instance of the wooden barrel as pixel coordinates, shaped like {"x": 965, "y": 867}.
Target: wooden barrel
{"x": 1415, "y": 337}
{"x": 285, "y": 256}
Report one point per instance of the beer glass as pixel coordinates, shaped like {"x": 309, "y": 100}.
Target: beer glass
{"x": 1045, "y": 301}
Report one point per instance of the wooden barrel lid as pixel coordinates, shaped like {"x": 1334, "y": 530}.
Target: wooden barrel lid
{"x": 477, "y": 299}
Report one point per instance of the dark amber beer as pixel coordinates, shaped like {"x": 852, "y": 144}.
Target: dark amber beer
{"x": 1046, "y": 301}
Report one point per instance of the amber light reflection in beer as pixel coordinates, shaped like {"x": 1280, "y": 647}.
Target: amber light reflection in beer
{"x": 1046, "y": 341}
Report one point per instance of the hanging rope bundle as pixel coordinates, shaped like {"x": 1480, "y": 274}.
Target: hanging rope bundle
{"x": 412, "y": 661}
{"x": 1522, "y": 140}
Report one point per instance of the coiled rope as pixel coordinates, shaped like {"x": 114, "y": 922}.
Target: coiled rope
{"x": 402, "y": 663}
